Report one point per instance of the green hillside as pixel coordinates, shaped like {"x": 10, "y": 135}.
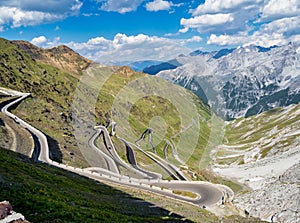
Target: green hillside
{"x": 47, "y": 194}
{"x": 54, "y": 92}
{"x": 66, "y": 107}
{"x": 269, "y": 133}
{"x": 50, "y": 105}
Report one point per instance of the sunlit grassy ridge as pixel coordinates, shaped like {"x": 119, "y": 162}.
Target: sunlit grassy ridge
{"x": 49, "y": 107}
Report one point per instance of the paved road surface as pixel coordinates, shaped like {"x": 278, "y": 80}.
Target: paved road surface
{"x": 42, "y": 149}
{"x": 208, "y": 194}
{"x": 112, "y": 151}
{"x": 111, "y": 164}
{"x": 132, "y": 160}
{"x": 163, "y": 166}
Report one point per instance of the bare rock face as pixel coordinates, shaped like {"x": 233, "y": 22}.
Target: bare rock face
{"x": 241, "y": 82}
{"x": 291, "y": 175}
{"x": 277, "y": 200}
{"x": 7, "y": 215}
{"x": 5, "y": 209}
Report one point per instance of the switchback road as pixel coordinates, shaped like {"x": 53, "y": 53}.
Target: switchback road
{"x": 207, "y": 193}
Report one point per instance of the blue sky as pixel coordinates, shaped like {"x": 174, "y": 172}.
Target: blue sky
{"x": 126, "y": 30}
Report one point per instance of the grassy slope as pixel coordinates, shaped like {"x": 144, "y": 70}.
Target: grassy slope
{"x": 50, "y": 106}
{"x": 145, "y": 112}
{"x": 14, "y": 137}
{"x": 275, "y": 130}
{"x": 46, "y": 194}
{"x": 49, "y": 109}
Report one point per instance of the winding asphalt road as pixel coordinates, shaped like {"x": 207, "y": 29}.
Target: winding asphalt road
{"x": 171, "y": 167}
{"x": 172, "y": 170}
{"x": 115, "y": 158}
{"x": 133, "y": 162}
{"x": 164, "y": 167}
{"x": 41, "y": 144}
{"x": 208, "y": 194}
{"x": 111, "y": 164}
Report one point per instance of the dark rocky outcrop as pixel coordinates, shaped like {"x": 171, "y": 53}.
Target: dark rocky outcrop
{"x": 7, "y": 214}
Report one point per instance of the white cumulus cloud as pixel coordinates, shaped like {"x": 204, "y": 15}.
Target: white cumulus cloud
{"x": 16, "y": 13}
{"x": 284, "y": 26}
{"x": 51, "y": 6}
{"x": 215, "y": 6}
{"x": 40, "y": 40}
{"x": 184, "y": 30}
{"x": 265, "y": 40}
{"x": 276, "y": 9}
{"x": 194, "y": 39}
{"x": 228, "y": 16}
{"x": 158, "y": 5}
{"x": 130, "y": 48}
{"x": 242, "y": 22}
{"x": 207, "y": 20}
{"x": 121, "y": 6}
{"x": 54, "y": 42}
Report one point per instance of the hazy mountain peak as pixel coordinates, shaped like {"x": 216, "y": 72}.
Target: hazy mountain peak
{"x": 244, "y": 82}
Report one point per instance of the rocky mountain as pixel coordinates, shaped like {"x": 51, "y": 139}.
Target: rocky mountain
{"x": 61, "y": 57}
{"x": 183, "y": 59}
{"x": 263, "y": 152}
{"x": 244, "y": 82}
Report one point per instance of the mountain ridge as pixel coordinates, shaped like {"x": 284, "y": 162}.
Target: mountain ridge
{"x": 244, "y": 82}
{"x": 53, "y": 92}
{"x": 50, "y": 107}
{"x": 60, "y": 56}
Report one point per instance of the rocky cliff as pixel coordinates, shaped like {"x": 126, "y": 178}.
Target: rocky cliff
{"x": 244, "y": 82}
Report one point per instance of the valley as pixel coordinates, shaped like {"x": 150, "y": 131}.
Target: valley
{"x": 264, "y": 154}
{"x": 147, "y": 136}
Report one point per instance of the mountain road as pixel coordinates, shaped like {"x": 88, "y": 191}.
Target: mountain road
{"x": 207, "y": 193}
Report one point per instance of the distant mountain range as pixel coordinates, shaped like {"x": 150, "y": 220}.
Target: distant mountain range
{"x": 155, "y": 68}
{"x": 141, "y": 65}
{"x": 235, "y": 82}
{"x": 238, "y": 82}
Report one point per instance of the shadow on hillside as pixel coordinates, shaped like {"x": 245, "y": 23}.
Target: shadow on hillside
{"x": 9, "y": 99}
{"x": 86, "y": 195}
{"x": 54, "y": 150}
{"x": 1, "y": 122}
